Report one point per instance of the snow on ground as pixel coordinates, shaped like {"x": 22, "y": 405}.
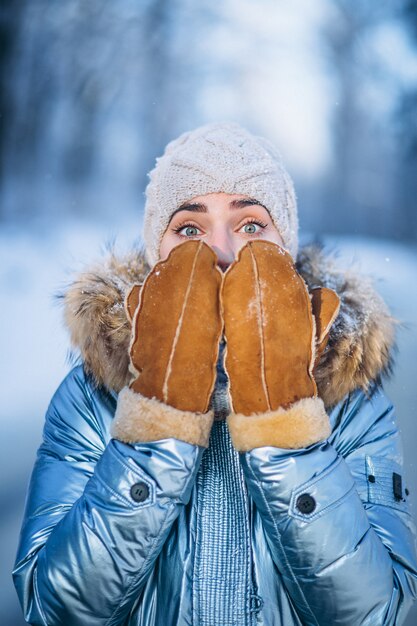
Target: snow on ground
{"x": 34, "y": 349}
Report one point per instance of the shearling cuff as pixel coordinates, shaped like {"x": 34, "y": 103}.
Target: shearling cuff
{"x": 305, "y": 422}
{"x": 139, "y": 419}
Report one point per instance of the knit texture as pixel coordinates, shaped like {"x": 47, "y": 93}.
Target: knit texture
{"x": 224, "y": 587}
{"x": 219, "y": 158}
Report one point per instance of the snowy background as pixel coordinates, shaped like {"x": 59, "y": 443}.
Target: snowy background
{"x": 89, "y": 95}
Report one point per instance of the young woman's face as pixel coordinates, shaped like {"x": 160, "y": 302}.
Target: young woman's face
{"x": 224, "y": 221}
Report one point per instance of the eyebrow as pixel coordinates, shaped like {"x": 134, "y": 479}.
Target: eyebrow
{"x": 200, "y": 207}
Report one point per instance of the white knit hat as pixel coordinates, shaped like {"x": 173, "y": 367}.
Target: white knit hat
{"x": 219, "y": 157}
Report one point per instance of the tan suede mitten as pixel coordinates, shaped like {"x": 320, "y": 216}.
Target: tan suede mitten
{"x": 273, "y": 342}
{"x": 176, "y": 329}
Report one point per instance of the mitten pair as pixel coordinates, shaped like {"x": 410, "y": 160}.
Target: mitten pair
{"x": 274, "y": 331}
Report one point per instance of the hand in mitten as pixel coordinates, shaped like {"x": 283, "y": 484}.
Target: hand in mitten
{"x": 176, "y": 328}
{"x": 273, "y": 340}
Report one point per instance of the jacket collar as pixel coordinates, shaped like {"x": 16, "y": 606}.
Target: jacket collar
{"x": 360, "y": 343}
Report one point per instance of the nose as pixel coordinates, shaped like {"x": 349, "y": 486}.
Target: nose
{"x": 222, "y": 263}
{"x": 223, "y": 247}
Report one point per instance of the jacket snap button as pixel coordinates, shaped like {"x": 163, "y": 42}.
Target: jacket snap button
{"x": 139, "y": 492}
{"x": 305, "y": 503}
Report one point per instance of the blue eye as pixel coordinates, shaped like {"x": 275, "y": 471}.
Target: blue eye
{"x": 250, "y": 229}
{"x": 191, "y": 231}
{"x": 253, "y": 227}
{"x": 188, "y": 230}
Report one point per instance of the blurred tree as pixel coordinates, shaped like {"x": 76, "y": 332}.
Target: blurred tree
{"x": 10, "y": 16}
{"x": 159, "y": 106}
{"x": 360, "y": 187}
{"x": 98, "y": 90}
{"x": 407, "y": 131}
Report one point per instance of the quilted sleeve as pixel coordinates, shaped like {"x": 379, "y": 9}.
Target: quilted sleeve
{"x": 337, "y": 519}
{"x": 96, "y": 515}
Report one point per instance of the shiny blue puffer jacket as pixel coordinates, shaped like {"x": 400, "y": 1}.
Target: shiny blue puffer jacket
{"x": 167, "y": 533}
{"x": 91, "y": 553}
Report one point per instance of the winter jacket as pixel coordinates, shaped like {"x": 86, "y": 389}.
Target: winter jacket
{"x": 169, "y": 533}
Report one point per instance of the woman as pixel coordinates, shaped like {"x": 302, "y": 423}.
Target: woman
{"x": 266, "y": 489}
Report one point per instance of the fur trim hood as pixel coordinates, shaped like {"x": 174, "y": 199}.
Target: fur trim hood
{"x": 358, "y": 352}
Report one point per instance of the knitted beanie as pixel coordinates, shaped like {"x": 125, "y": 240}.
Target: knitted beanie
{"x": 213, "y": 158}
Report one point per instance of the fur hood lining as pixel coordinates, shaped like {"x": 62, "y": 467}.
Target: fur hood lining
{"x": 358, "y": 350}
